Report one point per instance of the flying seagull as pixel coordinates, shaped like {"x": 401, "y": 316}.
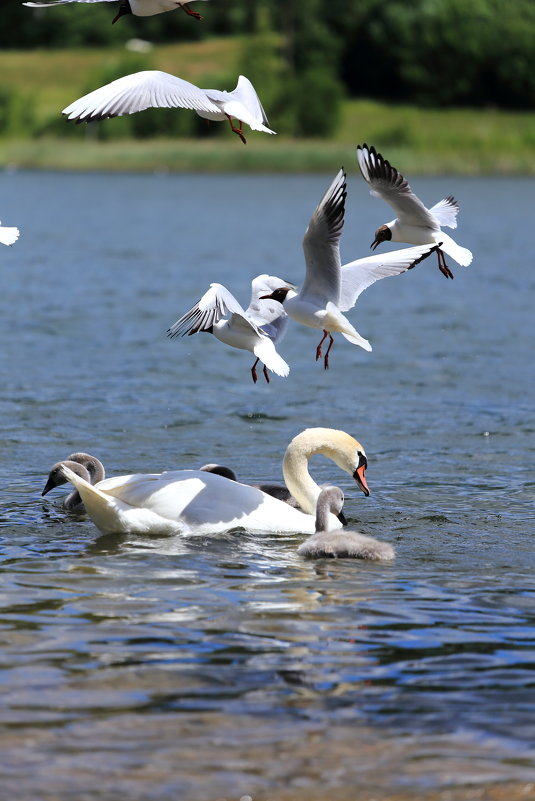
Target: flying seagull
{"x": 156, "y": 89}
{"x": 414, "y": 223}
{"x": 139, "y": 8}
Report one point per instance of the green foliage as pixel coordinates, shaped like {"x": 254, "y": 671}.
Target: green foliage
{"x": 16, "y": 113}
{"x": 444, "y": 52}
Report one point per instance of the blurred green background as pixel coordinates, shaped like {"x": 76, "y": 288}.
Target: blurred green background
{"x": 437, "y": 85}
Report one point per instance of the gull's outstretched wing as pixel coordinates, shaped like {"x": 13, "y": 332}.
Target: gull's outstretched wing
{"x": 242, "y": 103}
{"x": 446, "y": 211}
{"x": 214, "y": 305}
{"x": 321, "y": 245}
{"x": 137, "y": 92}
{"x": 8, "y": 236}
{"x": 267, "y": 314}
{"x": 360, "y": 274}
{"x": 389, "y": 184}
{"x": 63, "y": 2}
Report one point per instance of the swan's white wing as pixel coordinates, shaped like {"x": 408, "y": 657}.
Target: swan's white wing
{"x": 136, "y": 92}
{"x": 321, "y": 245}
{"x": 215, "y": 304}
{"x": 386, "y": 182}
{"x": 445, "y": 212}
{"x": 62, "y": 3}
{"x": 8, "y": 235}
{"x": 360, "y": 274}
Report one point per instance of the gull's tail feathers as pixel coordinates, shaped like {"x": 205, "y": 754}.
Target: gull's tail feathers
{"x": 461, "y": 255}
{"x": 267, "y": 354}
{"x": 342, "y": 324}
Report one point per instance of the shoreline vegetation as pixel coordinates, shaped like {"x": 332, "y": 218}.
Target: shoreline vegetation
{"x": 419, "y": 141}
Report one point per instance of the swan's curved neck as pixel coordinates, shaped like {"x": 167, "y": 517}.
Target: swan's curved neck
{"x": 295, "y": 464}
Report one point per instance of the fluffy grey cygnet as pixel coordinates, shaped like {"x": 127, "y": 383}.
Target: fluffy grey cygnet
{"x": 278, "y": 491}
{"x": 341, "y": 543}
{"x": 84, "y": 465}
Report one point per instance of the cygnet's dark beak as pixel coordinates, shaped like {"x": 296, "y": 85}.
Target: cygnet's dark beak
{"x": 50, "y": 484}
{"x": 342, "y": 518}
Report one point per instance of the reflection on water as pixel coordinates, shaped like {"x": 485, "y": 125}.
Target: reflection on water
{"x": 211, "y": 667}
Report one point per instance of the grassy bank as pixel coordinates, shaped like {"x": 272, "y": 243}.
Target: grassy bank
{"x": 424, "y": 141}
{"x": 186, "y": 155}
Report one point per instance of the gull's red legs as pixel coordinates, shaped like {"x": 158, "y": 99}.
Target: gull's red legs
{"x": 237, "y": 130}
{"x": 318, "y": 349}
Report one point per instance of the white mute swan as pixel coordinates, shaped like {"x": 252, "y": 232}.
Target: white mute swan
{"x": 414, "y": 223}
{"x": 156, "y": 89}
{"x": 8, "y": 236}
{"x": 330, "y": 289}
{"x": 342, "y": 543}
{"x": 257, "y": 329}
{"x": 276, "y": 490}
{"x": 199, "y": 502}
{"x": 84, "y": 465}
{"x": 140, "y": 8}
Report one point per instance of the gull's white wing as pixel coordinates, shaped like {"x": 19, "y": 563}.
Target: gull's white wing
{"x": 8, "y": 235}
{"x": 267, "y": 314}
{"x": 215, "y": 304}
{"x": 136, "y": 92}
{"x": 245, "y": 93}
{"x": 321, "y": 245}
{"x": 386, "y": 182}
{"x": 265, "y": 284}
{"x": 360, "y": 274}
{"x": 62, "y": 3}
{"x": 446, "y": 211}
{"x": 242, "y": 103}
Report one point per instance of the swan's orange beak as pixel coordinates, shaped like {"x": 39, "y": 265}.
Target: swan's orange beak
{"x": 360, "y": 477}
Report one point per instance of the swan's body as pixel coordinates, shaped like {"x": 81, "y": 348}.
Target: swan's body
{"x": 276, "y": 490}
{"x": 414, "y": 223}
{"x": 156, "y": 89}
{"x": 257, "y": 329}
{"x": 139, "y": 8}
{"x": 339, "y": 544}
{"x": 330, "y": 289}
{"x": 84, "y": 465}
{"x": 8, "y": 236}
{"x": 195, "y": 501}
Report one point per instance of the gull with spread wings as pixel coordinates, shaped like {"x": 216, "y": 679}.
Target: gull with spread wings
{"x": 414, "y": 223}
{"x": 156, "y": 89}
{"x": 257, "y": 329}
{"x": 140, "y": 8}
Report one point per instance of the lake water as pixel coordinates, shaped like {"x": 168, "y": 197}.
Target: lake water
{"x": 207, "y": 668}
